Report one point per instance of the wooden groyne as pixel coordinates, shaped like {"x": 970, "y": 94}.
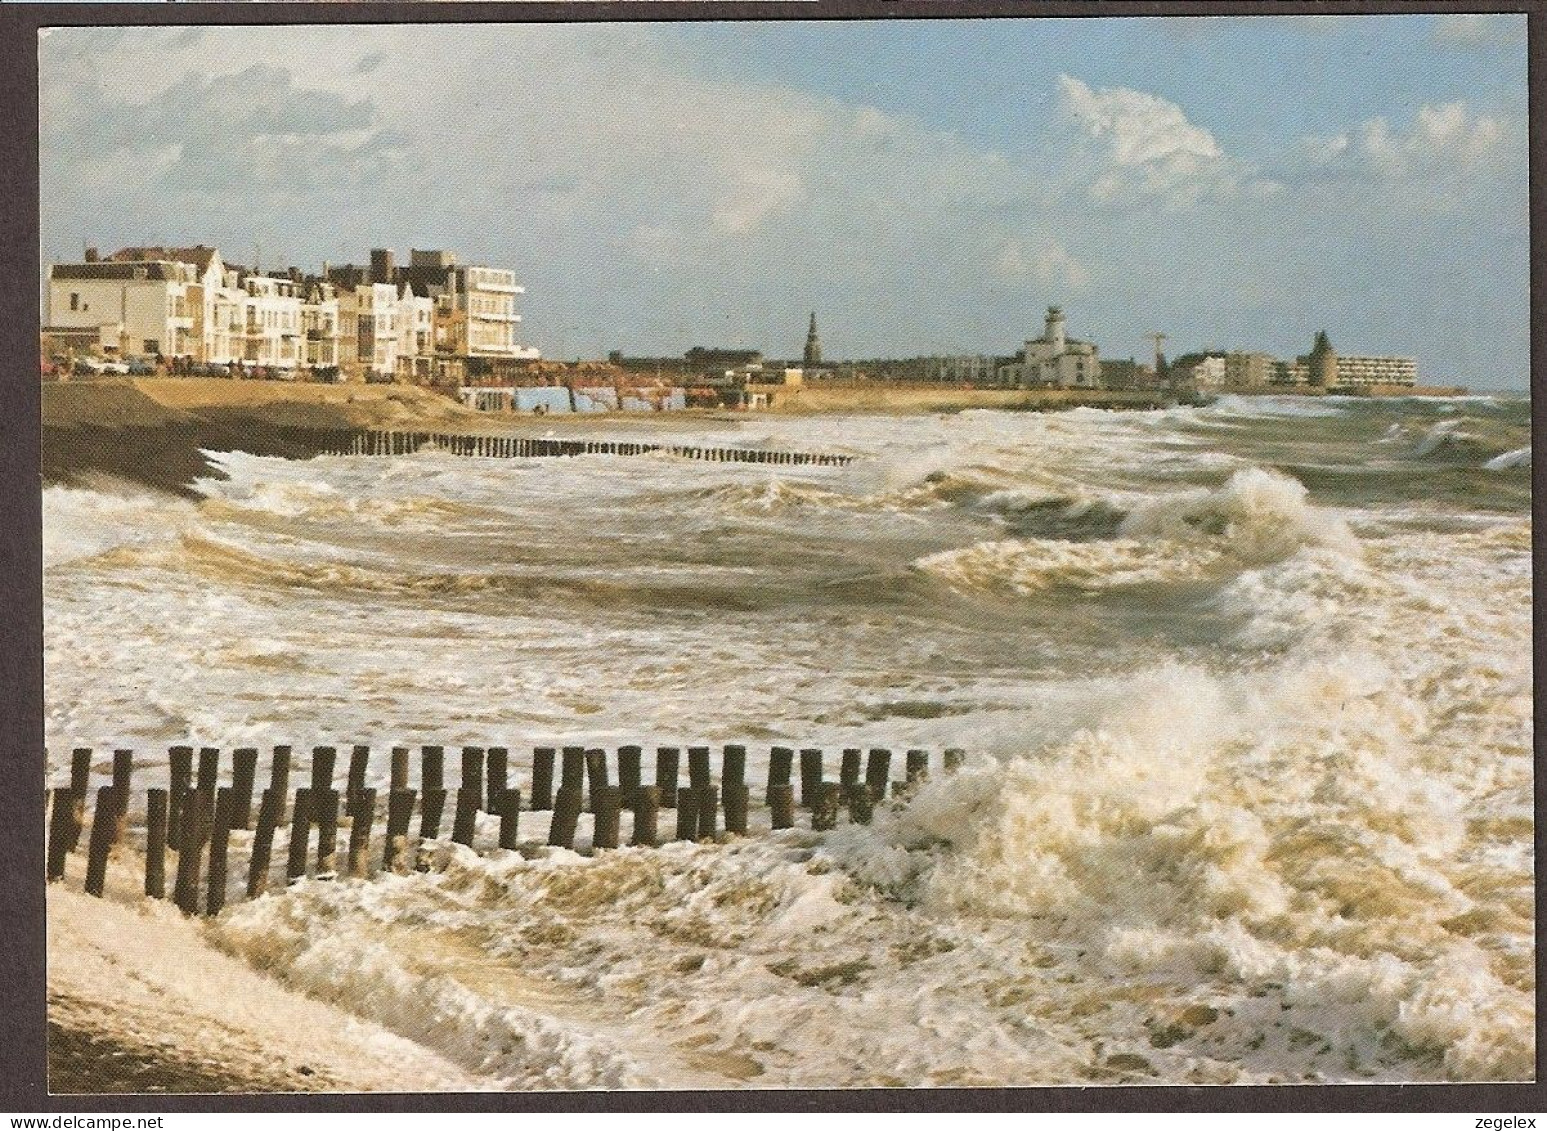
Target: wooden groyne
{"x": 392, "y": 443}
{"x": 193, "y": 816}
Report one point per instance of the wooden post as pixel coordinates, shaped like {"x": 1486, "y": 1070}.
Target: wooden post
{"x": 432, "y": 769}
{"x": 80, "y": 770}
{"x": 687, "y": 814}
{"x": 861, "y": 804}
{"x": 359, "y": 759}
{"x": 810, "y": 776}
{"x": 465, "y": 823}
{"x": 498, "y": 778}
{"x": 325, "y": 812}
{"x": 666, "y": 774}
{"x": 300, "y": 835}
{"x": 878, "y": 769}
{"x": 824, "y": 806}
{"x": 269, "y": 806}
{"x": 733, "y": 767}
{"x": 708, "y": 811}
{"x": 104, "y": 824}
{"x": 917, "y": 767}
{"x": 596, "y": 773}
{"x": 80, "y": 783}
{"x": 472, "y": 768}
{"x": 566, "y": 815}
{"x": 209, "y": 772}
{"x": 399, "y": 779}
{"x": 244, "y": 773}
{"x": 431, "y": 806}
{"x": 647, "y": 803}
{"x": 359, "y": 859}
{"x": 400, "y": 810}
{"x": 219, "y": 851}
{"x": 954, "y": 757}
{"x": 542, "y": 778}
{"x": 123, "y": 771}
{"x": 572, "y": 771}
{"x": 156, "y": 843}
{"x": 323, "y": 760}
{"x": 180, "y": 759}
{"x": 279, "y": 781}
{"x": 195, "y": 835}
{"x": 848, "y": 773}
{"x": 737, "y": 798}
{"x": 698, "y": 767}
{"x": 780, "y": 761}
{"x": 63, "y": 831}
{"x": 510, "y": 817}
{"x": 781, "y": 800}
{"x": 629, "y": 770}
{"x": 609, "y": 803}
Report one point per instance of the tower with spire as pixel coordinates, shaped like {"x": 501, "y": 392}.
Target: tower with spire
{"x": 813, "y": 354}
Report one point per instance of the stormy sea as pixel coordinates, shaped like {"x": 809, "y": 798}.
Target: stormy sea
{"x": 1245, "y": 691}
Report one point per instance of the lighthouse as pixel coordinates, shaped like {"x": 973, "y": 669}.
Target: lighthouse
{"x": 1053, "y": 329}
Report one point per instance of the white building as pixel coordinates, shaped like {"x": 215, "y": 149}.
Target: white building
{"x": 1356, "y": 372}
{"x": 320, "y": 326}
{"x": 135, "y": 308}
{"x": 1055, "y": 360}
{"x": 271, "y": 322}
{"x": 187, "y": 303}
{"x": 475, "y": 307}
{"x": 1207, "y": 372}
{"x": 963, "y": 369}
{"x": 385, "y": 328}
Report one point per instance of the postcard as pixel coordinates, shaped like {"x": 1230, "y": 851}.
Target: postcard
{"x": 846, "y": 554}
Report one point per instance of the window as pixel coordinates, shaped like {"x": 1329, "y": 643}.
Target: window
{"x": 75, "y": 300}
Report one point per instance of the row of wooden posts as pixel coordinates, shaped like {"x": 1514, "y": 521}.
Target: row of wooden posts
{"x": 391, "y": 443}
{"x": 194, "y": 815}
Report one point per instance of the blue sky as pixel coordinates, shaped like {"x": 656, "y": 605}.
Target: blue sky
{"x": 926, "y": 186}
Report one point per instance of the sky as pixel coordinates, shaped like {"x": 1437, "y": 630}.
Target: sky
{"x": 925, "y": 186}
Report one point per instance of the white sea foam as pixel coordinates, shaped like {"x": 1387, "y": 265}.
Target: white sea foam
{"x": 1519, "y": 457}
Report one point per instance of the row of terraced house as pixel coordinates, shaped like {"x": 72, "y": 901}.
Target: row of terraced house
{"x": 376, "y": 322}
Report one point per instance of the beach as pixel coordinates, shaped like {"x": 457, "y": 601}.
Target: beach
{"x": 1245, "y": 692}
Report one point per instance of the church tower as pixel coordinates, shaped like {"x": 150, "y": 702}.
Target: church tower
{"x": 813, "y": 355}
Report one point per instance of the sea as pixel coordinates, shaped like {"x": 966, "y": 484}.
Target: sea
{"x": 1245, "y": 691}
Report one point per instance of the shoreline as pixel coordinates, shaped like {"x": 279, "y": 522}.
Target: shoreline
{"x": 151, "y": 432}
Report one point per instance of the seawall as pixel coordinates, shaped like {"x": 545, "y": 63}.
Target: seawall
{"x": 150, "y": 432}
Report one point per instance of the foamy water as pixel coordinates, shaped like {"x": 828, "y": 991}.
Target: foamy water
{"x": 1247, "y": 691}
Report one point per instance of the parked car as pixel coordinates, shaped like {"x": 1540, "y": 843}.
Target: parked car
{"x": 141, "y": 367}
{"x": 100, "y": 367}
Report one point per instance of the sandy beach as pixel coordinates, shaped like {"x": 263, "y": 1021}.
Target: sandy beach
{"x": 139, "y": 1002}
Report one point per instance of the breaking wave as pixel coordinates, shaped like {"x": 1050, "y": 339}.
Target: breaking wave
{"x": 1256, "y": 518}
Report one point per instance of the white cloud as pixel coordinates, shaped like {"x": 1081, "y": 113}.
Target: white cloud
{"x": 1145, "y": 147}
{"x": 1050, "y": 264}
{"x": 1447, "y": 137}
